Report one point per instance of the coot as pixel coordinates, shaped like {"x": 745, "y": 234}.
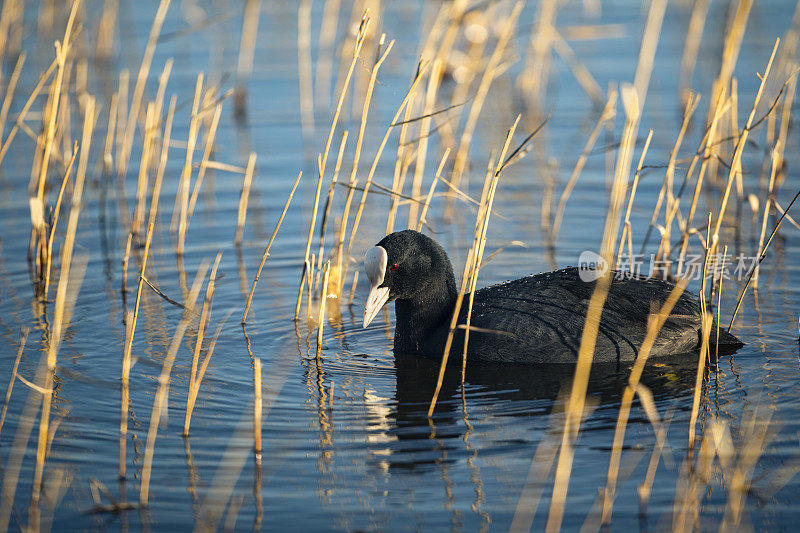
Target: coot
{"x": 535, "y": 319}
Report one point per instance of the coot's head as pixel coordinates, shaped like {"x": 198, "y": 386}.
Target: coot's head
{"x": 406, "y": 265}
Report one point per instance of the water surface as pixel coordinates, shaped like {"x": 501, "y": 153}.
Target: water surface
{"x": 347, "y": 443}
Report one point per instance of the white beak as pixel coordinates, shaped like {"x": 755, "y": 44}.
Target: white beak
{"x": 375, "y": 266}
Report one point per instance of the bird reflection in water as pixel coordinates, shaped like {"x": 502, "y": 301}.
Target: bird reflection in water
{"x": 403, "y": 436}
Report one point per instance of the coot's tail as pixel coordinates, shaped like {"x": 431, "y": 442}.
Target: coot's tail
{"x": 725, "y": 338}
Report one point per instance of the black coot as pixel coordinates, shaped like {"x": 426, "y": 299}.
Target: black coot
{"x": 535, "y": 319}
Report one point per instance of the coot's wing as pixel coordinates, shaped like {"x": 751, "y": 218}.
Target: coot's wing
{"x": 540, "y": 319}
{"x": 532, "y": 319}
{"x": 630, "y": 303}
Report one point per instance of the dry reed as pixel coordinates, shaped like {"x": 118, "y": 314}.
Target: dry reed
{"x": 655, "y": 322}
{"x": 23, "y": 337}
{"x": 322, "y": 162}
{"x": 48, "y": 255}
{"x": 691, "y": 46}
{"x": 11, "y": 87}
{"x": 257, "y": 407}
{"x": 327, "y": 35}
{"x": 304, "y": 66}
{"x": 160, "y": 398}
{"x": 723, "y": 147}
{"x": 608, "y": 113}
{"x": 204, "y": 162}
{"x": 481, "y": 222}
{"x": 269, "y": 245}
{"x": 762, "y": 253}
{"x": 490, "y": 72}
{"x": 353, "y": 288}
{"x": 131, "y": 323}
{"x": 126, "y": 358}
{"x": 244, "y": 198}
{"x": 247, "y": 45}
{"x": 626, "y": 227}
{"x": 180, "y": 210}
{"x": 19, "y": 447}
{"x": 37, "y": 202}
{"x": 123, "y": 154}
{"x": 422, "y": 216}
{"x": 342, "y": 262}
{"x": 194, "y": 389}
{"x": 342, "y": 257}
{"x": 740, "y": 143}
{"x": 577, "y": 399}
{"x": 205, "y": 317}
{"x": 63, "y": 306}
{"x": 323, "y": 297}
{"x": 329, "y": 200}
{"x": 26, "y": 108}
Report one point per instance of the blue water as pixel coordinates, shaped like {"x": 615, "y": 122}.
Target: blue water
{"x": 347, "y": 445}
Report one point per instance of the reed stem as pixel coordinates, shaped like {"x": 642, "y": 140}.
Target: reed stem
{"x": 257, "y": 408}
{"x": 269, "y": 245}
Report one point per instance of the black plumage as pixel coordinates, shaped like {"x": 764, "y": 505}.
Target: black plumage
{"x": 535, "y": 319}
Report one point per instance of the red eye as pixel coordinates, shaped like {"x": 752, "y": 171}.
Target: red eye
{"x": 393, "y": 267}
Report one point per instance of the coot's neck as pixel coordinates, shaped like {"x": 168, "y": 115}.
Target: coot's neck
{"x": 422, "y": 319}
